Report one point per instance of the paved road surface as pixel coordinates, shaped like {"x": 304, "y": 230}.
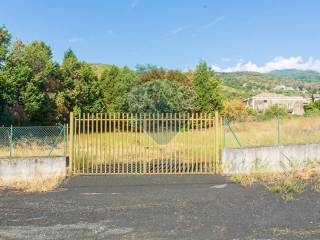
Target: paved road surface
{"x": 157, "y": 207}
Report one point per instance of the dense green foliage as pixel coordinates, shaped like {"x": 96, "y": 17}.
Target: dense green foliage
{"x": 34, "y": 89}
{"x": 161, "y": 96}
{"x": 313, "y": 107}
{"x": 206, "y": 87}
{"x": 276, "y": 111}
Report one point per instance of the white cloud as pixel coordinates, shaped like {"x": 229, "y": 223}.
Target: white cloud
{"x": 175, "y": 31}
{"x": 75, "y": 39}
{"x": 277, "y": 63}
{"x": 214, "y": 22}
{"x": 216, "y": 68}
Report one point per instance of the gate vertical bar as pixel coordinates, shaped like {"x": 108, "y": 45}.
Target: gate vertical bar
{"x": 210, "y": 152}
{"x": 109, "y": 142}
{"x": 167, "y": 133}
{"x": 78, "y": 135}
{"x": 71, "y": 144}
{"x": 145, "y": 153}
{"x": 83, "y": 120}
{"x": 118, "y": 139}
{"x": 153, "y": 145}
{"x": 75, "y": 157}
{"x": 97, "y": 155}
{"x": 205, "y": 145}
{"x": 122, "y": 144}
{"x": 105, "y": 143}
{"x": 179, "y": 126}
{"x": 159, "y": 149}
{"x": 191, "y": 141}
{"x": 87, "y": 143}
{"x": 217, "y": 140}
{"x": 92, "y": 142}
{"x": 101, "y": 156}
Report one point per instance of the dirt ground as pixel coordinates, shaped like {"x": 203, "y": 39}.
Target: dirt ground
{"x": 157, "y": 207}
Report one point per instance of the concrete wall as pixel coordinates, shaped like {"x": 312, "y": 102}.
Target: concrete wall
{"x": 269, "y": 158}
{"x": 293, "y": 106}
{"x": 27, "y": 168}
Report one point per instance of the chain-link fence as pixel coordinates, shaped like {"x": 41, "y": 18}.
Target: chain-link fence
{"x": 33, "y": 141}
{"x": 277, "y": 130}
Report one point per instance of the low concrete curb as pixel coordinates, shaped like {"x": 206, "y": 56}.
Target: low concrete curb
{"x": 269, "y": 158}
{"x": 28, "y": 168}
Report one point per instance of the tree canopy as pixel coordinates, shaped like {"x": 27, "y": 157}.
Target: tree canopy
{"x": 34, "y": 89}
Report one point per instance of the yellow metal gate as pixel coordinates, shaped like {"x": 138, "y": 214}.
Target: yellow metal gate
{"x": 147, "y": 143}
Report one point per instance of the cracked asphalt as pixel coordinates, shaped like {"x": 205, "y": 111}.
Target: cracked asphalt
{"x": 157, "y": 207}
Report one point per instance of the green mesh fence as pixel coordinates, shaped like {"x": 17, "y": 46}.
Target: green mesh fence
{"x": 32, "y": 141}
{"x": 273, "y": 131}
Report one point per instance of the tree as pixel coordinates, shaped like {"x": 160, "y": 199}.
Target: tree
{"x": 150, "y": 73}
{"x": 5, "y": 38}
{"x": 235, "y": 110}
{"x": 81, "y": 90}
{"x": 116, "y": 84}
{"x": 28, "y": 76}
{"x": 161, "y": 96}
{"x": 206, "y": 86}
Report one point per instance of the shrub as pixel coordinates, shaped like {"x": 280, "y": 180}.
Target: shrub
{"x": 276, "y": 110}
{"x": 235, "y": 110}
{"x": 312, "y": 107}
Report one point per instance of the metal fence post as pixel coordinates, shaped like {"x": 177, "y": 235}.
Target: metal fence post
{"x": 71, "y": 149}
{"x": 10, "y": 140}
{"x": 64, "y": 140}
{"x": 278, "y": 128}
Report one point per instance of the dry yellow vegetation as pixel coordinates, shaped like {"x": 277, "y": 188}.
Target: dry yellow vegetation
{"x": 257, "y": 133}
{"x": 37, "y": 184}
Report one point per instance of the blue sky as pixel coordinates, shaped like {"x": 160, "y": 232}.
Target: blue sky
{"x": 229, "y": 34}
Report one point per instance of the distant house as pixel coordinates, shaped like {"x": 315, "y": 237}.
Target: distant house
{"x": 262, "y": 101}
{"x": 283, "y": 88}
{"x": 315, "y": 97}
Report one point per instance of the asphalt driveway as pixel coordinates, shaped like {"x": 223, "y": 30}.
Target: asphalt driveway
{"x": 157, "y": 207}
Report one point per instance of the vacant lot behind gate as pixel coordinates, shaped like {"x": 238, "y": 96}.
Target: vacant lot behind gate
{"x": 258, "y": 133}
{"x": 165, "y": 143}
{"x": 145, "y": 143}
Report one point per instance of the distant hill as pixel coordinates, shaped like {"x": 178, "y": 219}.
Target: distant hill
{"x": 288, "y": 82}
{"x": 245, "y": 84}
{"x": 308, "y": 76}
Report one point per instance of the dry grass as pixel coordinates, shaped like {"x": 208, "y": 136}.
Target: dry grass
{"x": 250, "y": 133}
{"x": 105, "y": 147}
{"x": 27, "y": 149}
{"x": 284, "y": 183}
{"x": 38, "y": 184}
{"x": 292, "y": 131}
